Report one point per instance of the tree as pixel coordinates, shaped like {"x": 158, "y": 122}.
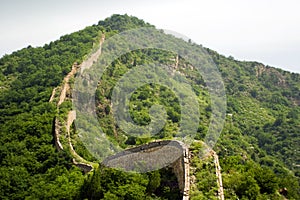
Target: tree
{"x": 154, "y": 181}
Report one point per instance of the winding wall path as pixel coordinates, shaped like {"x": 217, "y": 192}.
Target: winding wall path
{"x": 65, "y": 88}
{"x": 170, "y": 153}
{"x": 219, "y": 175}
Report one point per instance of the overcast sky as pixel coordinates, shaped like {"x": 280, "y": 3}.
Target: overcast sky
{"x": 262, "y": 30}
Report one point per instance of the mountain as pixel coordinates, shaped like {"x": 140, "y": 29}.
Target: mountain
{"x": 258, "y": 148}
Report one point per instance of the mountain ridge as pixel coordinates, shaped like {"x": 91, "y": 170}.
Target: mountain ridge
{"x": 260, "y": 133}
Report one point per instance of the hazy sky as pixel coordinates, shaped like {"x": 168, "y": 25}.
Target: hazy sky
{"x": 262, "y": 30}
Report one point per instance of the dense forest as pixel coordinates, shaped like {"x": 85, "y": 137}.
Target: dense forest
{"x": 258, "y": 148}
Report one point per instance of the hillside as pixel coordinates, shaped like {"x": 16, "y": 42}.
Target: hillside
{"x": 258, "y": 148}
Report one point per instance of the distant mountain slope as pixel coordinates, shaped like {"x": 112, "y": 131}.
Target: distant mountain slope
{"x": 258, "y": 149}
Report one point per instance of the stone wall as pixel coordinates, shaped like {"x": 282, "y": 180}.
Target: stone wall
{"x": 153, "y": 156}
{"x": 56, "y": 134}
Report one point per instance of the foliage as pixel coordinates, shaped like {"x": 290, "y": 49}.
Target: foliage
{"x": 107, "y": 183}
{"x": 30, "y": 165}
{"x": 258, "y": 149}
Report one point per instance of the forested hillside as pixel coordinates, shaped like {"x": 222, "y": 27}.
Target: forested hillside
{"x": 258, "y": 148}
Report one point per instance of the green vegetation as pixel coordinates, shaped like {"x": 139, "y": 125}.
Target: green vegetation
{"x": 108, "y": 184}
{"x": 258, "y": 148}
{"x": 203, "y": 174}
{"x": 30, "y": 165}
{"x": 145, "y": 97}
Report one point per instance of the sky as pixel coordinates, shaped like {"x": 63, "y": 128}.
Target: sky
{"x": 267, "y": 31}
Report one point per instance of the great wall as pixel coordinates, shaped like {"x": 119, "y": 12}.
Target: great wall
{"x": 64, "y": 94}
{"x": 168, "y": 153}
{"x": 155, "y": 155}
